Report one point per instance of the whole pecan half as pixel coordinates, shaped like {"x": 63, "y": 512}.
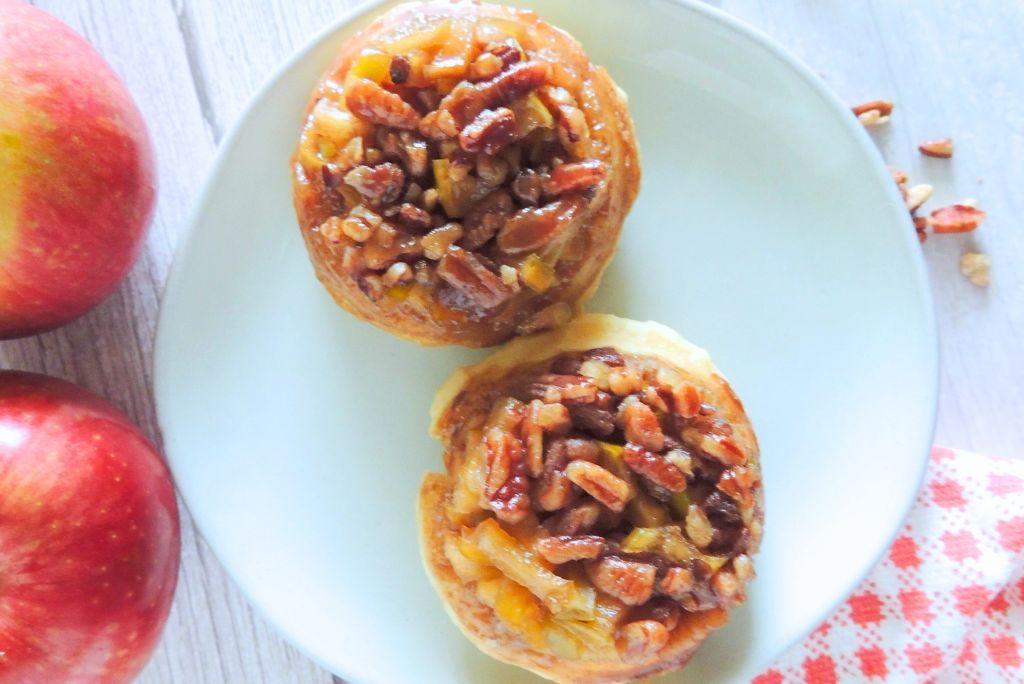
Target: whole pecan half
{"x": 530, "y": 229}
{"x": 629, "y": 581}
{"x": 490, "y": 132}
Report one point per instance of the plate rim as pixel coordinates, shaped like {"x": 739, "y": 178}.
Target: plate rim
{"x": 186, "y": 245}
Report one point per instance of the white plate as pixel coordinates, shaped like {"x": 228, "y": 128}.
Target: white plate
{"x": 767, "y": 230}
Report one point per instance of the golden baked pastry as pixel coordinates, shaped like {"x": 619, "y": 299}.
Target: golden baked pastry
{"x": 601, "y": 501}
{"x": 463, "y": 173}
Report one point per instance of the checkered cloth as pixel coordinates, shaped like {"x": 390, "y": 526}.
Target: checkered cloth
{"x": 946, "y": 604}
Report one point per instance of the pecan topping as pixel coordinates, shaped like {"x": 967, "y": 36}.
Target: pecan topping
{"x": 611, "y": 491}
{"x": 654, "y": 468}
{"x": 490, "y": 132}
{"x": 564, "y": 549}
{"x": 467, "y": 274}
{"x": 629, "y": 581}
{"x": 574, "y": 177}
{"x": 530, "y": 229}
{"x": 639, "y": 424}
{"x": 641, "y": 640}
{"x": 380, "y": 184}
{"x": 370, "y": 102}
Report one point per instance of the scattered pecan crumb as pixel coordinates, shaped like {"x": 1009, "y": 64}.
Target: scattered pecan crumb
{"x": 941, "y": 148}
{"x": 874, "y": 112}
{"x": 976, "y": 267}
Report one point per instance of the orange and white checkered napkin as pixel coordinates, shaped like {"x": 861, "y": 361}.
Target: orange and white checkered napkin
{"x": 946, "y": 604}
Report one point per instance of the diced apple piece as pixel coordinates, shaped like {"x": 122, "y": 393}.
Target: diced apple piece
{"x": 523, "y": 566}
{"x": 373, "y": 65}
{"x": 531, "y": 114}
{"x": 452, "y": 60}
{"x": 644, "y": 511}
{"x": 536, "y": 274}
{"x": 467, "y": 569}
{"x": 427, "y": 39}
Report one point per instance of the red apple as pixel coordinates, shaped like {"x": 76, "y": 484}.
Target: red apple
{"x": 89, "y": 537}
{"x": 76, "y": 174}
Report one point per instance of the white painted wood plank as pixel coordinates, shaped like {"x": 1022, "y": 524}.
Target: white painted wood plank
{"x": 212, "y": 635}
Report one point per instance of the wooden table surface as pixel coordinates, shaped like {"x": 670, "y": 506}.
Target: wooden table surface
{"x": 953, "y": 67}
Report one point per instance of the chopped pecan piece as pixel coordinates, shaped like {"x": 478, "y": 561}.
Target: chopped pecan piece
{"x": 956, "y": 218}
{"x": 512, "y": 502}
{"x": 436, "y": 242}
{"x": 485, "y": 219}
{"x": 565, "y": 548}
{"x": 739, "y": 484}
{"x": 917, "y": 195}
{"x": 490, "y": 132}
{"x": 381, "y": 184}
{"x": 654, "y": 468}
{"x": 527, "y": 187}
{"x": 611, "y": 491}
{"x": 502, "y": 449}
{"x": 570, "y": 389}
{"x": 580, "y": 518}
{"x": 415, "y": 218}
{"x": 592, "y": 419}
{"x": 686, "y": 400}
{"x": 640, "y": 424}
{"x": 370, "y": 102}
{"x": 398, "y": 272}
{"x": 629, "y": 581}
{"x": 439, "y": 125}
{"x": 466, "y": 273}
{"x": 676, "y": 583}
{"x": 716, "y": 446}
{"x": 641, "y": 639}
{"x": 541, "y": 418}
{"x": 941, "y": 148}
{"x": 574, "y": 177}
{"x": 507, "y": 53}
{"x": 698, "y": 527}
{"x": 530, "y": 229}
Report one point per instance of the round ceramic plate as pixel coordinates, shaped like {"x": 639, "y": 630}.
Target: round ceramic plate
{"x": 767, "y": 231}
